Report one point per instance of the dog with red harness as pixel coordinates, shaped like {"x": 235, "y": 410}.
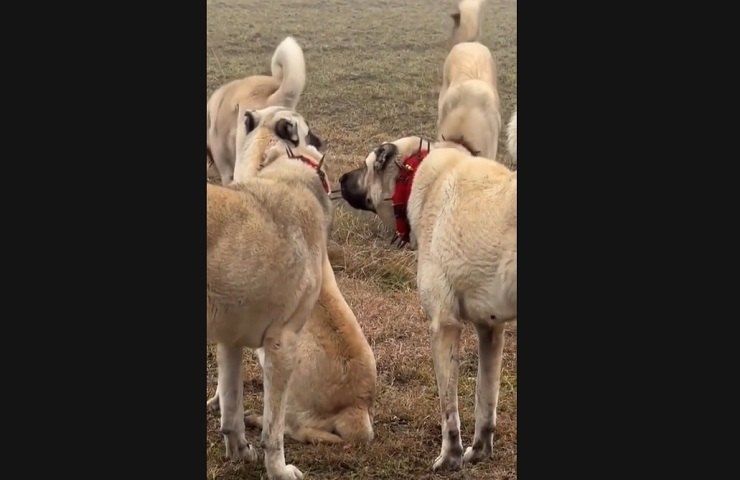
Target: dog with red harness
{"x": 457, "y": 206}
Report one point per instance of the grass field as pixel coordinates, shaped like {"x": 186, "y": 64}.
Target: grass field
{"x": 374, "y": 69}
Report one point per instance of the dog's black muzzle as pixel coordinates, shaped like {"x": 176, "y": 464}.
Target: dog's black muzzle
{"x": 351, "y": 190}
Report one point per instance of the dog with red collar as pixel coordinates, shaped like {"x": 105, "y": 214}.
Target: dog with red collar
{"x": 457, "y": 206}
{"x": 460, "y": 212}
{"x": 330, "y": 393}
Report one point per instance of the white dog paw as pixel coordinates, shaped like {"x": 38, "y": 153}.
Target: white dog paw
{"x": 447, "y": 462}
{"x": 289, "y": 472}
{"x": 240, "y": 450}
{"x": 473, "y": 456}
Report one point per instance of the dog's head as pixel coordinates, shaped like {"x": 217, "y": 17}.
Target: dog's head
{"x": 371, "y": 186}
{"x": 266, "y": 135}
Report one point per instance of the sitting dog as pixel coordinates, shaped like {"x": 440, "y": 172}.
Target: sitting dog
{"x": 332, "y": 389}
{"x": 230, "y": 101}
{"x": 459, "y": 210}
{"x": 266, "y": 258}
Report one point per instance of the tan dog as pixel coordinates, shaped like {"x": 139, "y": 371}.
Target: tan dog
{"x": 266, "y": 258}
{"x": 459, "y": 211}
{"x": 461, "y": 214}
{"x": 230, "y": 101}
{"x": 468, "y": 106}
{"x": 463, "y": 210}
{"x": 331, "y": 392}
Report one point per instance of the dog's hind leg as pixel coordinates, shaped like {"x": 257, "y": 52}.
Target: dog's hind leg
{"x": 445, "y": 354}
{"x": 354, "y": 425}
{"x": 314, "y": 435}
{"x": 230, "y": 392}
{"x": 490, "y": 354}
{"x": 279, "y": 348}
{"x": 302, "y": 434}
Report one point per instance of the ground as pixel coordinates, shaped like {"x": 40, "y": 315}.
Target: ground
{"x": 373, "y": 74}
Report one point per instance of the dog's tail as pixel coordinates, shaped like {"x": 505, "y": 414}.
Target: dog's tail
{"x": 511, "y": 136}
{"x": 467, "y": 21}
{"x": 289, "y": 67}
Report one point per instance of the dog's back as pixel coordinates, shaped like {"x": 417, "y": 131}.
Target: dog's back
{"x": 450, "y": 188}
{"x": 266, "y": 240}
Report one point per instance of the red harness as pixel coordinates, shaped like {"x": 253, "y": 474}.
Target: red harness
{"x": 401, "y": 193}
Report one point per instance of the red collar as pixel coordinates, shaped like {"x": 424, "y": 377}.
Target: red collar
{"x": 316, "y": 166}
{"x": 402, "y": 191}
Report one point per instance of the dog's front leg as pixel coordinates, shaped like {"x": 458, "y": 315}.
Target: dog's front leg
{"x": 279, "y": 357}
{"x": 446, "y": 357}
{"x": 230, "y": 393}
{"x": 490, "y": 354}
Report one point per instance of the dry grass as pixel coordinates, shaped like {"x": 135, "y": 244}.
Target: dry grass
{"x": 374, "y": 69}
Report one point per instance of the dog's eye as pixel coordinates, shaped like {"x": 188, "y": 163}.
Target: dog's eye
{"x": 286, "y": 130}
{"x": 249, "y": 122}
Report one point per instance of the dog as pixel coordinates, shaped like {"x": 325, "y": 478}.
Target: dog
{"x": 332, "y": 389}
{"x": 266, "y": 257}
{"x": 331, "y": 392}
{"x": 229, "y": 102}
{"x": 468, "y": 110}
{"x": 455, "y": 205}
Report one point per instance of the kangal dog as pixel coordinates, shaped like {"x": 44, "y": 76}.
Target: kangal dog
{"x": 225, "y": 109}
{"x": 331, "y": 392}
{"x": 458, "y": 207}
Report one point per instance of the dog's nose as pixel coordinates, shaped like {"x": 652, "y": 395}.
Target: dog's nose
{"x": 342, "y": 178}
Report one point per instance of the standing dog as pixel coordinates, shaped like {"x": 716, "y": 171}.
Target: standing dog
{"x": 230, "y": 101}
{"x": 460, "y": 211}
{"x": 266, "y": 258}
{"x": 468, "y": 110}
{"x": 332, "y": 389}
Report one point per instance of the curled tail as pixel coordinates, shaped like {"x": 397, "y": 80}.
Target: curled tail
{"x": 289, "y": 67}
{"x": 467, "y": 21}
{"x": 511, "y": 136}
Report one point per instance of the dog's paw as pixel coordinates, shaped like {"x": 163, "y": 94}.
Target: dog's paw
{"x": 239, "y": 449}
{"x": 289, "y": 472}
{"x": 447, "y": 462}
{"x": 473, "y": 456}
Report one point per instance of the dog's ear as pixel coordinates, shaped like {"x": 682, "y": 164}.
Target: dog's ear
{"x": 250, "y": 122}
{"x": 287, "y": 130}
{"x": 383, "y": 153}
{"x": 315, "y": 140}
{"x": 456, "y": 18}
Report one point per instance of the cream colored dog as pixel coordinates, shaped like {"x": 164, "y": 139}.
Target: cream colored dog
{"x": 266, "y": 259}
{"x": 460, "y": 211}
{"x": 468, "y": 110}
{"x": 331, "y": 392}
{"x": 226, "y": 106}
